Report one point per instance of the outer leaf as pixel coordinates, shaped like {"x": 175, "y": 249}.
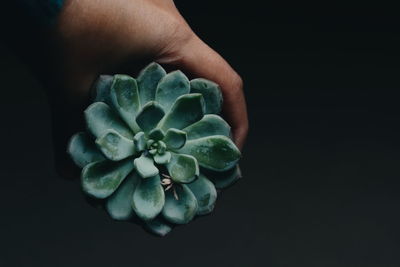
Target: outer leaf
{"x": 148, "y": 80}
{"x": 148, "y": 198}
{"x": 183, "y": 168}
{"x": 186, "y": 110}
{"x": 149, "y": 116}
{"x": 158, "y": 226}
{"x": 102, "y": 89}
{"x": 205, "y": 193}
{"x": 100, "y": 179}
{"x": 124, "y": 96}
{"x": 114, "y": 146}
{"x": 211, "y": 93}
{"x": 145, "y": 166}
{"x": 174, "y": 138}
{"x": 216, "y": 152}
{"x": 118, "y": 205}
{"x": 209, "y": 125}
{"x": 224, "y": 179}
{"x": 100, "y": 118}
{"x": 83, "y": 150}
{"x": 181, "y": 210}
{"x": 170, "y": 87}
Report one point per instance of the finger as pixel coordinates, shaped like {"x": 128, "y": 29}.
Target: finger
{"x": 199, "y": 60}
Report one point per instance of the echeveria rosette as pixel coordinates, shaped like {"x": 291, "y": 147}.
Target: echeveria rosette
{"x": 155, "y": 148}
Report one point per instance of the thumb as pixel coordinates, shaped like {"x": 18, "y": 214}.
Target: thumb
{"x": 198, "y": 59}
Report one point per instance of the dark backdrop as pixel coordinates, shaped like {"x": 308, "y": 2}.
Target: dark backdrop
{"x": 321, "y": 166}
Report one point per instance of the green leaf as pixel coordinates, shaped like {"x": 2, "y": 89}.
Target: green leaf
{"x": 205, "y": 193}
{"x": 186, "y": 110}
{"x": 183, "y": 168}
{"x": 181, "y": 210}
{"x": 124, "y": 96}
{"x": 118, "y": 205}
{"x": 174, "y": 138}
{"x": 149, "y": 116}
{"x": 162, "y": 158}
{"x": 158, "y": 226}
{"x": 140, "y": 141}
{"x": 114, "y": 146}
{"x": 224, "y": 179}
{"x": 148, "y": 198}
{"x": 83, "y": 150}
{"x": 147, "y": 80}
{"x": 209, "y": 125}
{"x": 216, "y": 152}
{"x": 102, "y": 89}
{"x": 161, "y": 147}
{"x": 170, "y": 87}
{"x": 156, "y": 134}
{"x": 145, "y": 166}
{"x": 100, "y": 179}
{"x": 100, "y": 118}
{"x": 211, "y": 93}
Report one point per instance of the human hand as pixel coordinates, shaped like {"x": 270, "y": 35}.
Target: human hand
{"x": 94, "y": 37}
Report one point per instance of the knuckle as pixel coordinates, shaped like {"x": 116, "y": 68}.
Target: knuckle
{"x": 235, "y": 84}
{"x": 245, "y": 128}
{"x": 237, "y": 81}
{"x": 179, "y": 35}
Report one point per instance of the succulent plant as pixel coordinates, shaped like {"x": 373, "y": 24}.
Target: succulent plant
{"x": 155, "y": 148}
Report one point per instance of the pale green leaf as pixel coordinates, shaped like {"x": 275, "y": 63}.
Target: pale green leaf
{"x": 83, "y": 150}
{"x": 100, "y": 179}
{"x": 181, "y": 210}
{"x": 170, "y": 87}
{"x": 211, "y": 93}
{"x": 216, "y": 152}
{"x": 148, "y": 198}
{"x": 114, "y": 146}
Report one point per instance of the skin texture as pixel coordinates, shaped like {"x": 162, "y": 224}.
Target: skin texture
{"x": 93, "y": 37}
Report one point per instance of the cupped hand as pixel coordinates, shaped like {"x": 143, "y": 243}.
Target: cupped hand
{"x": 94, "y": 37}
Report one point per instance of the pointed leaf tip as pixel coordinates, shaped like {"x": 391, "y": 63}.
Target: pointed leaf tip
{"x": 186, "y": 110}
{"x": 100, "y": 179}
{"x": 147, "y": 80}
{"x": 170, "y": 87}
{"x": 101, "y": 89}
{"x": 100, "y": 118}
{"x": 209, "y": 125}
{"x": 216, "y": 152}
{"x": 158, "y": 226}
{"x": 83, "y": 150}
{"x": 211, "y": 93}
{"x": 124, "y": 97}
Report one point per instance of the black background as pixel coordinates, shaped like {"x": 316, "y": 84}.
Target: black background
{"x": 321, "y": 165}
